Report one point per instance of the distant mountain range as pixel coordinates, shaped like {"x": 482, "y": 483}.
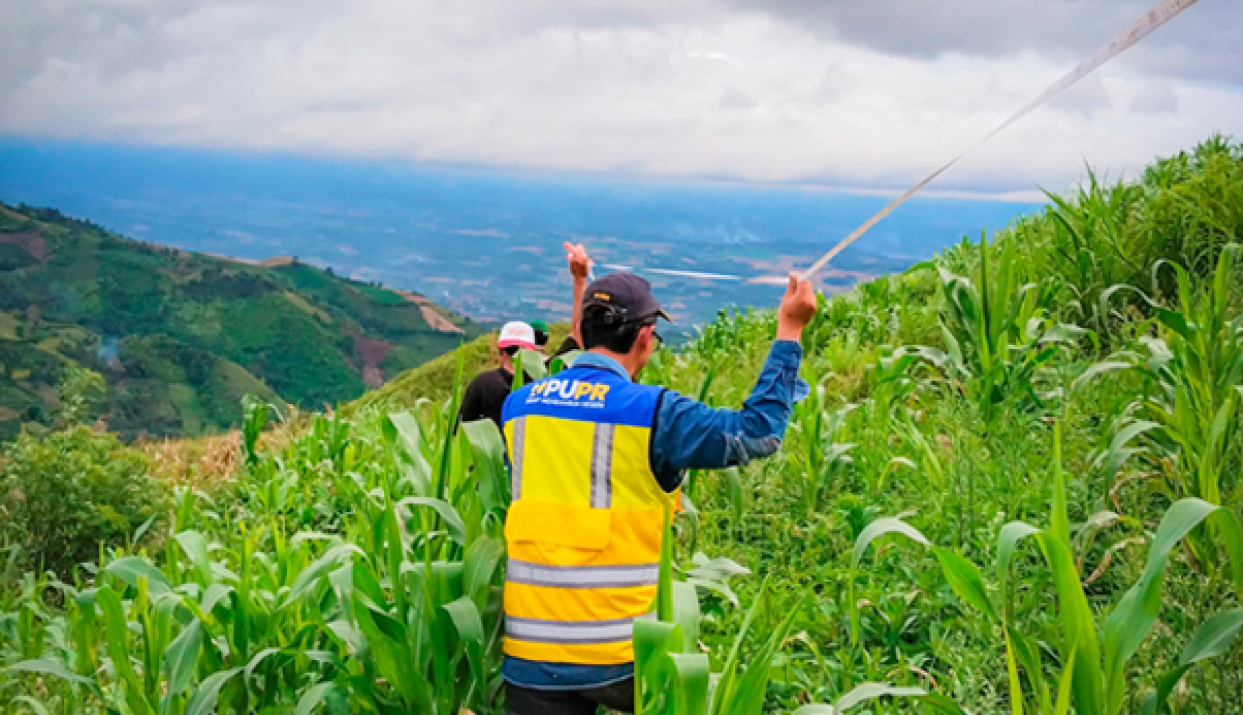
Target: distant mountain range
{"x": 181, "y": 337}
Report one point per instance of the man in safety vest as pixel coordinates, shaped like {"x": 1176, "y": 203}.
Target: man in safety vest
{"x": 596, "y": 460}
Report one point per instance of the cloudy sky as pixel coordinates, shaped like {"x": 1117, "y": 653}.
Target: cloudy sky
{"x": 859, "y": 93}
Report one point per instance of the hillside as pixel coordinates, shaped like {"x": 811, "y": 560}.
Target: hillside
{"x": 1016, "y": 485}
{"x": 181, "y": 337}
{"x": 434, "y": 379}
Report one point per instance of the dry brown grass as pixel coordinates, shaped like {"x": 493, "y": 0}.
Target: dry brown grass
{"x": 208, "y": 462}
{"x": 202, "y": 463}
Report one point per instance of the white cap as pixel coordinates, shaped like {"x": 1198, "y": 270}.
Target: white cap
{"x": 516, "y": 333}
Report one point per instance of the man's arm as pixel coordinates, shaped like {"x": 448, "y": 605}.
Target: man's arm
{"x": 691, "y": 435}
{"x": 580, "y": 267}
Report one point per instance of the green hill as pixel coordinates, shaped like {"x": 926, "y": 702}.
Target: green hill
{"x": 1016, "y": 485}
{"x": 434, "y": 379}
{"x": 180, "y": 337}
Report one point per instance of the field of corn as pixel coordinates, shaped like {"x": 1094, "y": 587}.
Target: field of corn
{"x": 1015, "y": 487}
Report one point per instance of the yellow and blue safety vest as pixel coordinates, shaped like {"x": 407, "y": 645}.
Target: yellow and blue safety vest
{"x": 586, "y": 521}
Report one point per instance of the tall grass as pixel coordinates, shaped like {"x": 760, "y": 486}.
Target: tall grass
{"x": 349, "y": 573}
{"x": 1193, "y": 372}
{"x": 1076, "y": 503}
{"x": 1093, "y": 656}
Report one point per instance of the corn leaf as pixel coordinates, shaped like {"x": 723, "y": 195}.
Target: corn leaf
{"x": 747, "y": 697}
{"x": 1213, "y": 637}
{"x": 52, "y": 667}
{"x": 488, "y": 456}
{"x": 692, "y": 675}
{"x": 965, "y": 580}
{"x": 453, "y": 521}
{"x": 1078, "y": 626}
{"x": 182, "y": 657}
{"x": 686, "y": 614}
{"x": 881, "y": 527}
{"x": 469, "y": 626}
{"x": 1136, "y": 613}
{"x": 317, "y": 695}
{"x": 116, "y": 630}
{"x": 725, "y": 684}
{"x": 129, "y": 568}
{"x": 480, "y": 565}
{"x": 195, "y": 548}
{"x": 203, "y": 702}
{"x": 871, "y": 691}
{"x": 1065, "y": 685}
{"x": 654, "y": 641}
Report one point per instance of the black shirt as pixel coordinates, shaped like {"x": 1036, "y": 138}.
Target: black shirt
{"x": 485, "y": 396}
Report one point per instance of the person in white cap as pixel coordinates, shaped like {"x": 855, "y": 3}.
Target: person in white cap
{"x": 485, "y": 396}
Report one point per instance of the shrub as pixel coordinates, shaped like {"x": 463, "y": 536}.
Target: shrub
{"x": 70, "y": 491}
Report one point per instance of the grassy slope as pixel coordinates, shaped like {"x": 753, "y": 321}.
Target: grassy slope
{"x": 937, "y": 458}
{"x": 978, "y": 471}
{"x": 922, "y": 445}
{"x": 434, "y": 380}
{"x": 180, "y": 337}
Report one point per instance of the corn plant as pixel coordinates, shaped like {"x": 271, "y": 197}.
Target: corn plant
{"x": 673, "y": 678}
{"x": 998, "y": 335}
{"x": 1190, "y": 412}
{"x": 1194, "y": 205}
{"x": 393, "y": 605}
{"x": 825, "y": 454}
{"x": 1090, "y": 245}
{"x": 354, "y": 561}
{"x": 894, "y": 379}
{"x": 254, "y": 419}
{"x": 1093, "y": 656}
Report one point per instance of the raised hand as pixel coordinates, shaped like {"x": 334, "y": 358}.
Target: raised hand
{"x": 576, "y": 256}
{"x": 798, "y": 306}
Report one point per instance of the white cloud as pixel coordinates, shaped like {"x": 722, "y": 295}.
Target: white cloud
{"x": 1157, "y": 98}
{"x": 694, "y": 88}
{"x": 719, "y": 56}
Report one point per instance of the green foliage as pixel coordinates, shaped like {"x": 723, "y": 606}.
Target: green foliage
{"x": 826, "y": 453}
{"x": 344, "y": 576}
{"x": 1194, "y": 206}
{"x": 998, "y": 336}
{"x": 80, "y": 390}
{"x": 1193, "y": 369}
{"x": 256, "y": 418}
{"x": 1090, "y": 686}
{"x": 1087, "y": 248}
{"x": 73, "y": 491}
{"x": 434, "y": 380}
{"x": 179, "y": 337}
{"x": 962, "y": 449}
{"x": 1072, "y": 561}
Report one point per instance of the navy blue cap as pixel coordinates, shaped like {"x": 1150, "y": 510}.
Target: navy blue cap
{"x": 627, "y": 294}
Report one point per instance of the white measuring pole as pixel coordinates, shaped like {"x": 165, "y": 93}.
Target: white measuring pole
{"x": 1164, "y": 12}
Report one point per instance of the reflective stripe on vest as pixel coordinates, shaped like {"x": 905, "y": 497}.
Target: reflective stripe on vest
{"x": 525, "y": 572}
{"x": 595, "y": 632}
{"x": 518, "y": 439}
{"x": 585, "y": 524}
{"x": 602, "y": 467}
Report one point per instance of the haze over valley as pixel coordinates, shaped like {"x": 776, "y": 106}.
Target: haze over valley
{"x": 485, "y": 243}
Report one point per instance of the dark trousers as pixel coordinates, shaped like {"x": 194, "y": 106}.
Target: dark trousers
{"x": 524, "y": 701}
